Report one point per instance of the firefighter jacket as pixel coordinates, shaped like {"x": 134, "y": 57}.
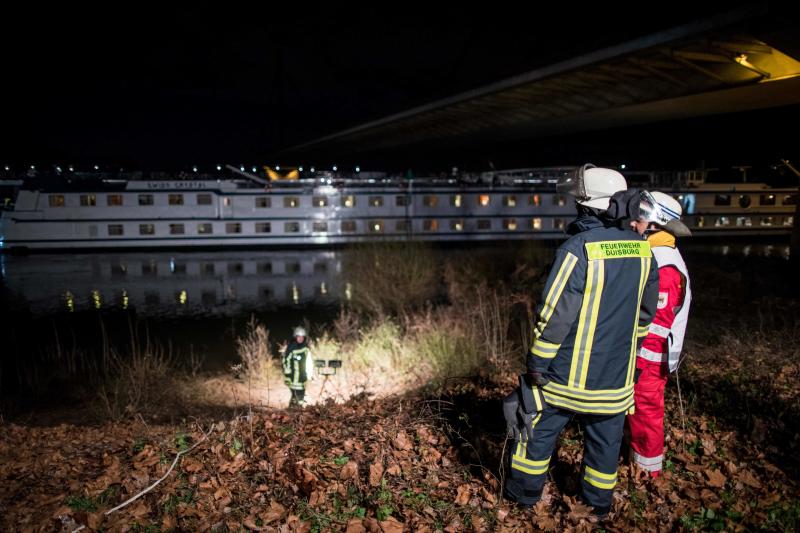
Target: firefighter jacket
{"x": 298, "y": 365}
{"x": 597, "y": 304}
{"x": 664, "y": 341}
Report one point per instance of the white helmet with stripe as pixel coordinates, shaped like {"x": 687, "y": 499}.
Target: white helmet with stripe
{"x": 664, "y": 211}
{"x": 592, "y": 186}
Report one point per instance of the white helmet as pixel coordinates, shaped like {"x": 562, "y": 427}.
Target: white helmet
{"x": 592, "y": 186}
{"x": 663, "y": 210}
{"x": 299, "y": 331}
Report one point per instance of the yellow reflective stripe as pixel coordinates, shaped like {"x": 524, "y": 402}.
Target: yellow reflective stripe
{"x": 603, "y": 394}
{"x": 617, "y": 249}
{"x": 545, "y": 350}
{"x": 643, "y": 331}
{"x": 599, "y": 408}
{"x": 589, "y": 342}
{"x": 587, "y": 322}
{"x": 599, "y": 479}
{"x": 644, "y": 271}
{"x": 537, "y": 397}
{"x": 528, "y": 470}
{"x": 564, "y": 272}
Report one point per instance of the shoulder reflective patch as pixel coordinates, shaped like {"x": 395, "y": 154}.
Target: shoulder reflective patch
{"x": 617, "y": 249}
{"x": 662, "y": 299}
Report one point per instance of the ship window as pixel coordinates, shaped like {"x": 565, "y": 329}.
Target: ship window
{"x": 118, "y": 270}
{"x": 319, "y": 227}
{"x": 178, "y": 268}
{"x": 56, "y": 200}
{"x": 536, "y": 224}
{"x": 767, "y": 199}
{"x": 203, "y": 199}
{"x": 376, "y": 201}
{"x": 767, "y": 221}
{"x": 510, "y": 200}
{"x": 293, "y": 267}
{"x": 320, "y": 201}
{"x": 320, "y": 268}
{"x": 235, "y": 268}
{"x": 263, "y": 201}
{"x": 114, "y": 199}
{"x": 483, "y": 199}
{"x": 115, "y": 229}
{"x": 560, "y": 200}
{"x": 264, "y": 267}
{"x": 267, "y": 292}
{"x": 88, "y": 199}
{"x": 700, "y": 222}
{"x": 722, "y": 199}
{"x": 291, "y": 227}
{"x": 207, "y": 269}
{"x": 401, "y": 200}
{"x": 147, "y": 229}
{"x": 226, "y": 201}
{"x": 430, "y": 224}
{"x": 723, "y": 221}
{"x": 430, "y": 200}
{"x": 205, "y": 228}
{"x": 145, "y": 199}
{"x": 788, "y": 221}
{"x": 402, "y": 225}
{"x": 176, "y": 229}
{"x": 376, "y": 226}
{"x": 535, "y": 200}
{"x": 510, "y": 224}
{"x": 181, "y": 296}
{"x": 455, "y": 200}
{"x": 263, "y": 227}
{"x": 348, "y": 226}
{"x": 291, "y": 201}
{"x": 790, "y": 199}
{"x": 233, "y": 227}
{"x": 744, "y": 222}
{"x": 175, "y": 199}
{"x": 348, "y": 201}
{"x": 457, "y": 225}
{"x": 484, "y": 224}
{"x": 92, "y": 230}
{"x": 745, "y": 201}
{"x": 558, "y": 223}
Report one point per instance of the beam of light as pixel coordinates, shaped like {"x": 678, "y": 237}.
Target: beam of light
{"x": 182, "y": 297}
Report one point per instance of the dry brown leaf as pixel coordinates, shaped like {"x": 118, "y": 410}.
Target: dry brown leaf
{"x": 463, "y": 494}
{"x": 355, "y": 525}
{"x": 747, "y": 477}
{"x": 391, "y": 525}
{"x": 375, "y": 473}
{"x": 716, "y": 478}
{"x": 349, "y": 471}
{"x": 402, "y": 442}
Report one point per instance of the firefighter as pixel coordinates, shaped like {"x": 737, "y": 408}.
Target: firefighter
{"x": 298, "y": 366}
{"x": 660, "y": 353}
{"x": 597, "y": 304}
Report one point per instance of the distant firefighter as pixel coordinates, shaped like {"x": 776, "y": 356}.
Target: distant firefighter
{"x": 298, "y": 366}
{"x": 659, "y": 219}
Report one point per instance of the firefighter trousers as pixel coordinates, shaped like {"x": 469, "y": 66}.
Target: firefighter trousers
{"x": 647, "y": 423}
{"x": 530, "y": 460}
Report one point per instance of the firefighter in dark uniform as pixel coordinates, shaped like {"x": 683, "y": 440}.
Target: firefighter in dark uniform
{"x": 597, "y": 304}
{"x": 298, "y": 367}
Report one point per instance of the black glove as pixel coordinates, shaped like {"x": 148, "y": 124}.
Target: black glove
{"x": 536, "y": 378}
{"x": 519, "y": 424}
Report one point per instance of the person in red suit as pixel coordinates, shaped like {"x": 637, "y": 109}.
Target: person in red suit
{"x": 661, "y": 349}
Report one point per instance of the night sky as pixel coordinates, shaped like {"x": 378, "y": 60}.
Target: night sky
{"x": 168, "y": 88}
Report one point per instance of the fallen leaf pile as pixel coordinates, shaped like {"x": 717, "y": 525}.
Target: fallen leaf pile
{"x": 387, "y": 465}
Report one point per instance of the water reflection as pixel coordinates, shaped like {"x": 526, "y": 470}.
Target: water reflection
{"x": 218, "y": 283}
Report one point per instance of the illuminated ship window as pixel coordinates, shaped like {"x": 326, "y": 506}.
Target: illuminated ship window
{"x": 558, "y": 223}
{"x": 790, "y": 199}
{"x": 722, "y": 199}
{"x": 510, "y": 200}
{"x": 455, "y": 200}
{"x": 175, "y": 199}
{"x": 88, "y": 200}
{"x": 376, "y": 201}
{"x": 457, "y": 224}
{"x": 320, "y": 201}
{"x": 483, "y": 199}
{"x": 767, "y": 221}
{"x": 176, "y": 229}
{"x": 226, "y": 201}
{"x": 745, "y": 222}
{"x": 536, "y": 224}
{"x": 233, "y": 227}
{"x": 293, "y": 267}
{"x": 788, "y": 221}
{"x": 291, "y": 227}
{"x": 319, "y": 227}
{"x": 181, "y": 297}
{"x": 535, "y": 200}
{"x": 348, "y": 200}
{"x": 291, "y": 201}
{"x": 484, "y": 224}
{"x": 375, "y": 226}
{"x": 204, "y": 199}
{"x": 263, "y": 201}
{"x": 114, "y": 199}
{"x": 115, "y": 230}
{"x": 401, "y": 200}
{"x": 263, "y": 227}
{"x": 402, "y": 225}
{"x": 293, "y": 293}
{"x": 348, "y": 226}
{"x": 745, "y": 201}
{"x": 147, "y": 229}
{"x": 56, "y": 200}
{"x": 430, "y": 200}
{"x": 145, "y": 199}
{"x": 235, "y": 268}
{"x": 723, "y": 221}
{"x": 560, "y": 200}
{"x": 264, "y": 267}
{"x": 205, "y": 228}
{"x": 700, "y": 222}
{"x": 430, "y": 224}
{"x": 510, "y": 224}
{"x": 767, "y": 199}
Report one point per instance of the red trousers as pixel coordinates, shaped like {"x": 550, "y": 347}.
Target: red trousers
{"x": 647, "y": 423}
